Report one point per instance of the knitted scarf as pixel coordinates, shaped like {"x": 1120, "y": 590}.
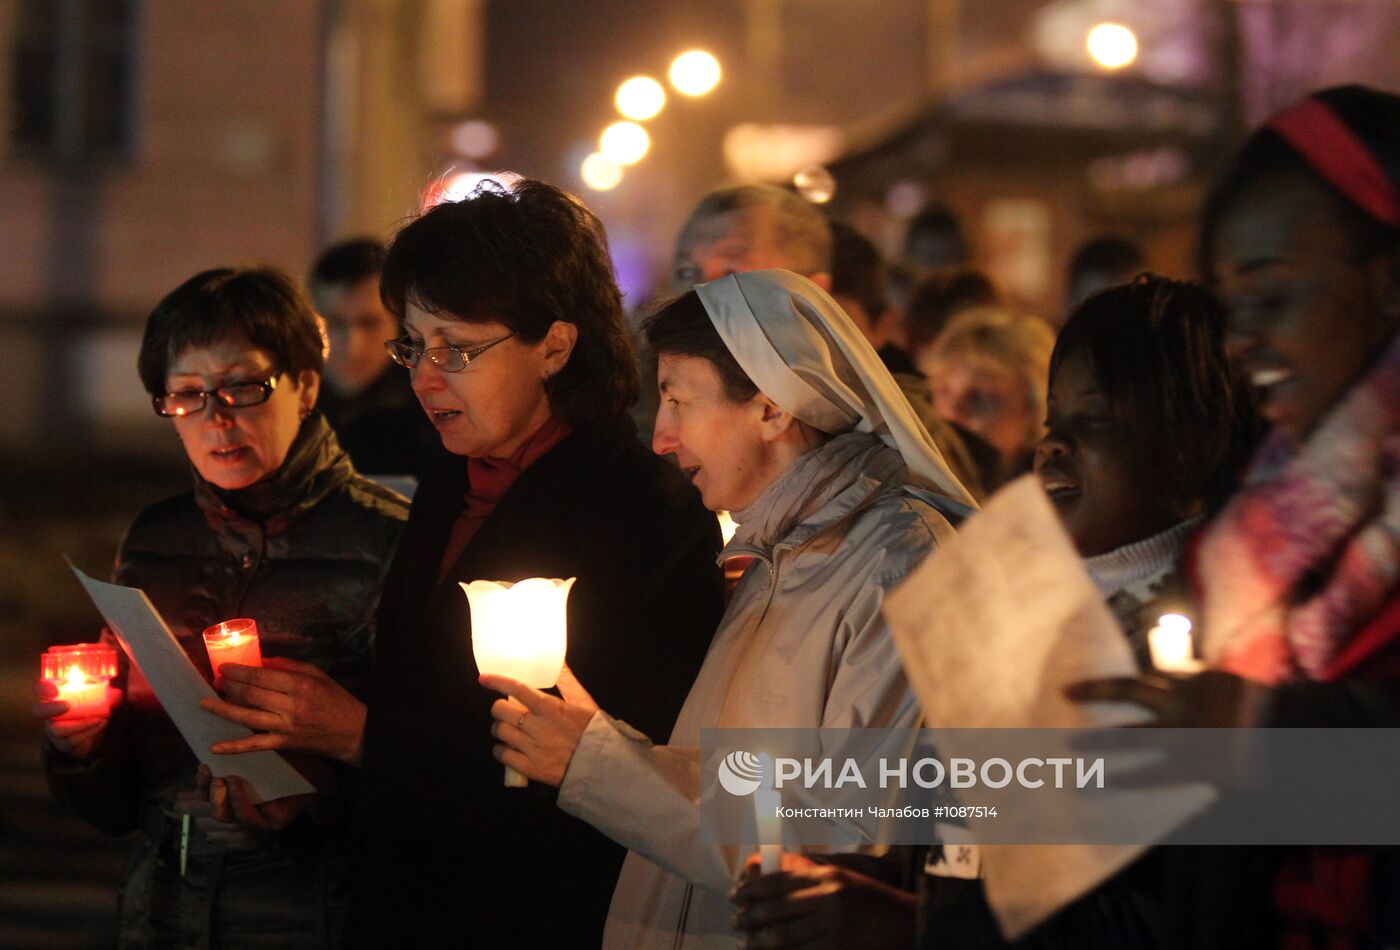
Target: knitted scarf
{"x": 1308, "y": 551}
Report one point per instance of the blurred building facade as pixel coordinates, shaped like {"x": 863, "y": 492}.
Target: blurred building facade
{"x": 147, "y": 140}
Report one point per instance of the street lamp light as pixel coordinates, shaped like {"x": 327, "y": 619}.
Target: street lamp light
{"x": 640, "y": 98}
{"x": 694, "y": 73}
{"x": 624, "y": 143}
{"x": 600, "y": 173}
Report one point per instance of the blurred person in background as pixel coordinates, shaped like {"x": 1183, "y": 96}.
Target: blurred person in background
{"x": 517, "y": 349}
{"x": 1099, "y": 263}
{"x": 366, "y": 398}
{"x": 752, "y": 227}
{"x": 935, "y": 238}
{"x": 279, "y": 528}
{"x": 858, "y": 284}
{"x": 1148, "y": 428}
{"x": 987, "y": 371}
{"x": 781, "y": 411}
{"x": 1297, "y": 575}
{"x": 940, "y": 295}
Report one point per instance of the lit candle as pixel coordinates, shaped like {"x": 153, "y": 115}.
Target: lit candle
{"x": 1171, "y": 645}
{"x": 233, "y": 641}
{"x": 765, "y": 811}
{"x": 727, "y": 525}
{"x": 520, "y": 630}
{"x": 82, "y": 673}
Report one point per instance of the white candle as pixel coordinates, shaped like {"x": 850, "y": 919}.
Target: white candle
{"x": 520, "y": 630}
{"x": 770, "y": 826}
{"x": 1171, "y": 645}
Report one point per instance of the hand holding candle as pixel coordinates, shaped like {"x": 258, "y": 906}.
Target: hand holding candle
{"x": 82, "y": 675}
{"x": 520, "y": 632}
{"x": 233, "y": 641}
{"x": 74, "y": 696}
{"x": 539, "y": 732}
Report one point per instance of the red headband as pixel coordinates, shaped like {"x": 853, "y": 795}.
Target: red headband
{"x": 1335, "y": 153}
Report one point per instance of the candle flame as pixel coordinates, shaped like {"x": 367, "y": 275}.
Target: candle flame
{"x": 1174, "y": 622}
{"x": 75, "y": 677}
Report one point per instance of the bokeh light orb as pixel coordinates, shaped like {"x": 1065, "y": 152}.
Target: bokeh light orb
{"x": 1112, "y": 45}
{"x": 475, "y": 139}
{"x": 640, "y": 98}
{"x": 624, "y": 143}
{"x": 600, "y": 173}
{"x": 815, "y": 183}
{"x": 694, "y": 73}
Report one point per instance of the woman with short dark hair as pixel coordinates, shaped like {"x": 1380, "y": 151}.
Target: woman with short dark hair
{"x": 518, "y": 353}
{"x": 278, "y": 528}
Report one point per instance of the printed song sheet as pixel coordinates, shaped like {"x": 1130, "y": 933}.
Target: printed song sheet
{"x": 149, "y": 644}
{"x": 991, "y": 629}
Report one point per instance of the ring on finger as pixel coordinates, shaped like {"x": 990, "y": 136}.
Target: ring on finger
{"x": 520, "y": 723}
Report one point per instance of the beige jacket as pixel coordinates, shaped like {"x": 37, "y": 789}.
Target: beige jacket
{"x": 802, "y": 644}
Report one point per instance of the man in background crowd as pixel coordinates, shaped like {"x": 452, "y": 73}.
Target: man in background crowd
{"x": 366, "y": 398}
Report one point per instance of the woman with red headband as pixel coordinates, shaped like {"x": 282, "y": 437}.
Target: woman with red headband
{"x": 1299, "y": 575}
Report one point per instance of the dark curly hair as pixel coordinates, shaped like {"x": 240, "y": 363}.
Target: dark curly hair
{"x": 262, "y": 304}
{"x": 1157, "y": 348}
{"x": 524, "y": 256}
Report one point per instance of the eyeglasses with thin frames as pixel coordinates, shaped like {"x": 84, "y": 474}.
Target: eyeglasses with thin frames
{"x": 451, "y": 358}
{"x": 188, "y": 402}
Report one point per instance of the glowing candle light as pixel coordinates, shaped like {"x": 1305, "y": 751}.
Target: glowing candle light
{"x": 233, "y": 641}
{"x": 82, "y": 673}
{"x": 765, "y": 810}
{"x": 520, "y": 630}
{"x": 1171, "y": 645}
{"x": 1112, "y": 45}
{"x": 727, "y": 525}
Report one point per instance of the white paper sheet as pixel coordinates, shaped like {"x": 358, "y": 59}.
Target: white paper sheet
{"x": 149, "y": 644}
{"x": 991, "y": 629}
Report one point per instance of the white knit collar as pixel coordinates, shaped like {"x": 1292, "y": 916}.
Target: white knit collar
{"x": 1141, "y": 562}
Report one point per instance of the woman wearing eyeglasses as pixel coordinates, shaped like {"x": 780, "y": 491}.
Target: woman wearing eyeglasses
{"x": 517, "y": 349}
{"x": 278, "y": 528}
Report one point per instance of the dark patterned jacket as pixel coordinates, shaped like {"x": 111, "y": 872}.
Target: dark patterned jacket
{"x": 303, "y": 554}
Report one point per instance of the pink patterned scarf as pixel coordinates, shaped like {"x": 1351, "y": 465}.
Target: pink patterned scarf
{"x": 1308, "y": 551}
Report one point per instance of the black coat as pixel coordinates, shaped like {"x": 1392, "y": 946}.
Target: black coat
{"x": 383, "y": 427}
{"x": 304, "y": 554}
{"x": 448, "y": 853}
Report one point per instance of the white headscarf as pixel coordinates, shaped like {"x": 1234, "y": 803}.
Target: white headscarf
{"x": 803, "y": 352}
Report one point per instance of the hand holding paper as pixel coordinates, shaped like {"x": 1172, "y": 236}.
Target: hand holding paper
{"x": 296, "y": 706}
{"x": 154, "y": 649}
{"x": 992, "y": 629}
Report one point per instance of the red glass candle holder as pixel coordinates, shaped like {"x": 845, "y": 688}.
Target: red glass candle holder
{"x": 233, "y": 641}
{"x": 82, "y": 673}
